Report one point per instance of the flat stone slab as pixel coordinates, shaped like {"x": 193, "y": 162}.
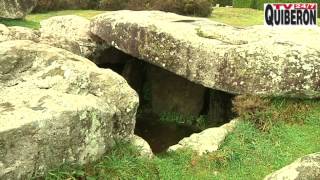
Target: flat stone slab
{"x": 208, "y": 140}
{"x": 254, "y": 60}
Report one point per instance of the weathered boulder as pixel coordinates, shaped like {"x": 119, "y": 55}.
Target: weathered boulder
{"x": 17, "y": 33}
{"x": 206, "y": 141}
{"x": 57, "y": 107}
{"x": 142, "y": 145}
{"x": 171, "y": 93}
{"x": 16, "y": 9}
{"x": 75, "y": 29}
{"x": 253, "y": 60}
{"x": 23, "y": 33}
{"x": 307, "y": 167}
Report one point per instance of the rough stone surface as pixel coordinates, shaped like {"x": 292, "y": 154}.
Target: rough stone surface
{"x": 57, "y": 107}
{"x": 75, "y": 29}
{"x": 16, "y": 9}
{"x": 145, "y": 149}
{"x": 17, "y": 33}
{"x": 23, "y": 33}
{"x": 254, "y": 60}
{"x": 171, "y": 93}
{"x": 307, "y": 167}
{"x": 206, "y": 141}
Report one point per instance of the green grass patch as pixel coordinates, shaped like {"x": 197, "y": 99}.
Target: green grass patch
{"x": 240, "y": 17}
{"x": 247, "y": 153}
{"x": 33, "y": 20}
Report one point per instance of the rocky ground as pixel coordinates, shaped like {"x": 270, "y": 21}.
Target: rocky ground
{"x": 72, "y": 88}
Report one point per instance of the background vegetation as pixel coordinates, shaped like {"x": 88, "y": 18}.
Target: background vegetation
{"x": 222, "y": 2}
{"x": 186, "y": 7}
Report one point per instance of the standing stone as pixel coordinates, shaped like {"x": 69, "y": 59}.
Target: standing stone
{"x": 134, "y": 73}
{"x": 220, "y": 108}
{"x": 171, "y": 93}
{"x": 307, "y": 167}
{"x": 16, "y": 9}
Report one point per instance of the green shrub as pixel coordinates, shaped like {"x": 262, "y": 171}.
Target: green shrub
{"x": 112, "y": 4}
{"x": 186, "y": 7}
{"x": 201, "y": 8}
{"x": 47, "y": 5}
{"x": 197, "y": 8}
{"x": 222, "y": 2}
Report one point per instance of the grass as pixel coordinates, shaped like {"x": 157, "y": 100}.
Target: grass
{"x": 239, "y": 17}
{"x": 33, "y": 20}
{"x": 199, "y": 123}
{"x": 247, "y": 153}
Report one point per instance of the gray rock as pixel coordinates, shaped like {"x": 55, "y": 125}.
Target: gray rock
{"x": 143, "y": 146}
{"x": 206, "y": 141}
{"x": 305, "y": 168}
{"x": 23, "y": 33}
{"x": 254, "y": 60}
{"x": 16, "y": 9}
{"x": 171, "y": 93}
{"x": 17, "y": 33}
{"x": 57, "y": 107}
{"x": 75, "y": 29}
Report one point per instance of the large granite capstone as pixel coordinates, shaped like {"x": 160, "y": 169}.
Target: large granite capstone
{"x": 254, "y": 60}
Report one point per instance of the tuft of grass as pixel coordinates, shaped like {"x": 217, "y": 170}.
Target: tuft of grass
{"x": 264, "y": 114}
{"x": 122, "y": 162}
{"x": 200, "y": 122}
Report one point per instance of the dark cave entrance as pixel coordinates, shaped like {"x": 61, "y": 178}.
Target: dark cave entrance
{"x": 171, "y": 107}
